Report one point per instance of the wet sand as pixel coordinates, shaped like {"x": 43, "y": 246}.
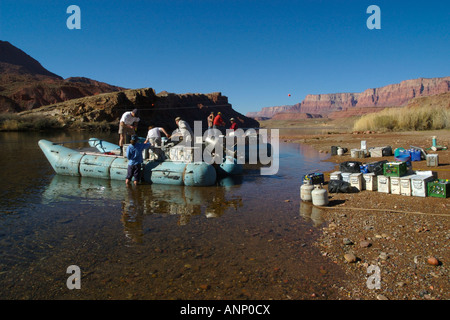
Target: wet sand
{"x": 395, "y": 235}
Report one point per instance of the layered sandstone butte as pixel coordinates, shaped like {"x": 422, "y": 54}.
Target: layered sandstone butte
{"x": 268, "y": 112}
{"x": 155, "y": 109}
{"x": 330, "y": 105}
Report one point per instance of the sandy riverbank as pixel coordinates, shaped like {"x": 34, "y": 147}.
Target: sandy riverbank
{"x": 394, "y": 234}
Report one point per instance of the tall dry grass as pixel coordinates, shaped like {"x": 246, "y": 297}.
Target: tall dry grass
{"x": 405, "y": 119}
{"x": 34, "y": 122}
{"x": 15, "y": 122}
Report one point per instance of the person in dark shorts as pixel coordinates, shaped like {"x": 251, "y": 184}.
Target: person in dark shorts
{"x": 135, "y": 159}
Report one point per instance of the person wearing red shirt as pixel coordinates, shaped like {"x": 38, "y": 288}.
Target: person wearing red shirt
{"x": 233, "y": 124}
{"x": 218, "y": 123}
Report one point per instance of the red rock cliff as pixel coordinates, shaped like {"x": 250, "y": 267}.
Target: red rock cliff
{"x": 394, "y": 95}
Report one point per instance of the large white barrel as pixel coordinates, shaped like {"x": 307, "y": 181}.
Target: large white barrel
{"x": 319, "y": 196}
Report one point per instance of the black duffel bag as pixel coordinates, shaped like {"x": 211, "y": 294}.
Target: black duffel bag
{"x": 376, "y": 167}
{"x": 340, "y": 186}
{"x": 350, "y": 166}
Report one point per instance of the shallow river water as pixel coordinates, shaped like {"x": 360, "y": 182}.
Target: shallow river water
{"x": 249, "y": 238}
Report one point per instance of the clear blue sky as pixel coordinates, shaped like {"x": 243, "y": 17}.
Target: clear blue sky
{"x": 254, "y": 52}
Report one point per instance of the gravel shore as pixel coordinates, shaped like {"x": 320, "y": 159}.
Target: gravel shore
{"x": 393, "y": 247}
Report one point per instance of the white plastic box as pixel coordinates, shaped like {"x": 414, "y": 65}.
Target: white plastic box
{"x": 336, "y": 175}
{"x": 356, "y": 180}
{"x": 182, "y": 154}
{"x": 419, "y": 184}
{"x": 383, "y": 184}
{"x": 405, "y": 185}
{"x": 346, "y": 176}
{"x": 370, "y": 181}
{"x": 395, "y": 185}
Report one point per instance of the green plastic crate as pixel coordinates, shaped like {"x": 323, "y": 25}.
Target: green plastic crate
{"x": 439, "y": 188}
{"x": 395, "y": 169}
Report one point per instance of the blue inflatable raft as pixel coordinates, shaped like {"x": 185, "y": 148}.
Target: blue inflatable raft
{"x": 66, "y": 161}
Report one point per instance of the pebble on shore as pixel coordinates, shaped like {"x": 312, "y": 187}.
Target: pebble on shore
{"x": 433, "y": 261}
{"x": 350, "y": 257}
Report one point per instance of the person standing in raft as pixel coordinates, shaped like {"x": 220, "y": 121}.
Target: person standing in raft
{"x": 127, "y": 126}
{"x": 185, "y": 131}
{"x": 154, "y": 135}
{"x": 134, "y": 156}
{"x": 234, "y": 125}
{"x": 210, "y": 123}
{"x": 210, "y": 120}
{"x": 154, "y": 138}
{"x": 218, "y": 121}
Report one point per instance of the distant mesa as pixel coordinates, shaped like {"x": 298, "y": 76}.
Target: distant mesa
{"x": 337, "y": 105}
{"x": 295, "y": 116}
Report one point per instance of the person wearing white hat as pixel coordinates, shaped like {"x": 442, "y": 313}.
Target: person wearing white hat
{"x": 234, "y": 125}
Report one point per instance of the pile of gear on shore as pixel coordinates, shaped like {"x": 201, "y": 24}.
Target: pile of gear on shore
{"x": 393, "y": 177}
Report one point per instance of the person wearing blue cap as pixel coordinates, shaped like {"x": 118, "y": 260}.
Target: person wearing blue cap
{"x": 135, "y": 160}
{"x": 127, "y": 126}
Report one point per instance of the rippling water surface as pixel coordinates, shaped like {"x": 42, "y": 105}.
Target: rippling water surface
{"x": 248, "y": 238}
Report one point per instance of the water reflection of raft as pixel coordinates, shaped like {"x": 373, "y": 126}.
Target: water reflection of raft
{"x": 67, "y": 161}
{"x": 185, "y": 202}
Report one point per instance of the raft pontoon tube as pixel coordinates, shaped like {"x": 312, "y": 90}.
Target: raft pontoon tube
{"x": 103, "y": 146}
{"x": 66, "y": 161}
